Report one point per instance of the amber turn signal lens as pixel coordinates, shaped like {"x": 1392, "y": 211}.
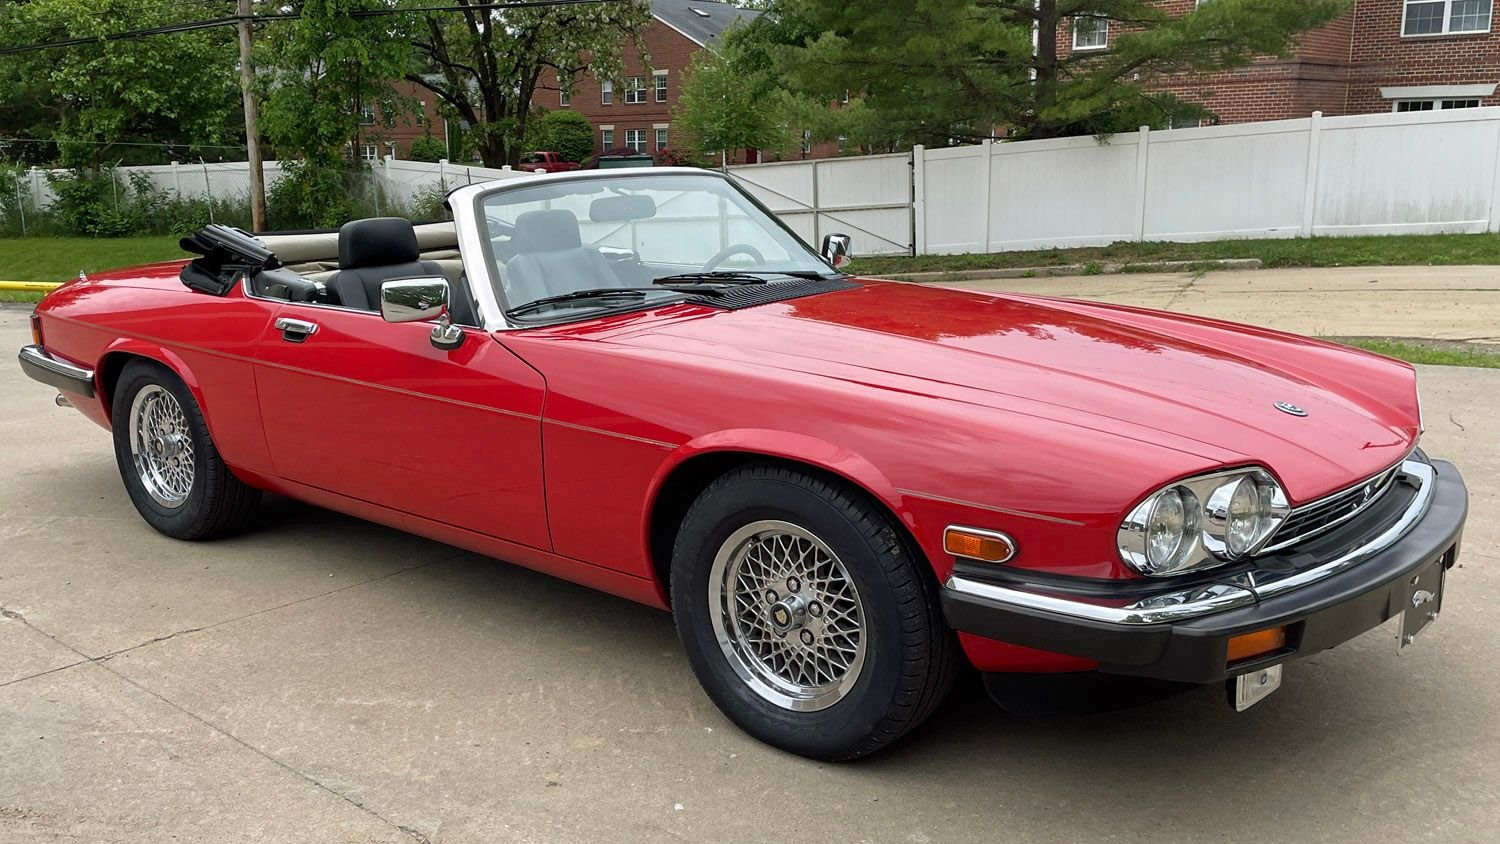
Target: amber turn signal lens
{"x": 36, "y": 329}
{"x": 1258, "y": 643}
{"x": 974, "y": 544}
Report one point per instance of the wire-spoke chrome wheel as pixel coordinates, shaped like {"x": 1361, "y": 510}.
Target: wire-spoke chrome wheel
{"x": 161, "y": 446}
{"x": 787, "y": 615}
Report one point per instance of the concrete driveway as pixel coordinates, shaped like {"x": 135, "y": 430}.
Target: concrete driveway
{"x": 324, "y": 679}
{"x": 1438, "y": 303}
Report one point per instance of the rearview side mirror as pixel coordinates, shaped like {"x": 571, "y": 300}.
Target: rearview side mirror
{"x": 421, "y": 300}
{"x": 836, "y": 250}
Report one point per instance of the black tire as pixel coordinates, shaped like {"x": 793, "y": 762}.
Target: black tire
{"x": 217, "y": 502}
{"x": 910, "y": 656}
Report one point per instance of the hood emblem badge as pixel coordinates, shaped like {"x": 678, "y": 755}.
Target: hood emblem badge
{"x": 1288, "y": 407}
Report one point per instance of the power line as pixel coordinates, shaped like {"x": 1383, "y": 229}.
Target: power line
{"x": 231, "y": 20}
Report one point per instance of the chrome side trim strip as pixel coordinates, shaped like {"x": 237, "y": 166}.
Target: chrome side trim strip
{"x": 56, "y": 372}
{"x": 1213, "y": 597}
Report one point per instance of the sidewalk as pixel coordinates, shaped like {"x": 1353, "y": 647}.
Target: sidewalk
{"x": 1438, "y": 303}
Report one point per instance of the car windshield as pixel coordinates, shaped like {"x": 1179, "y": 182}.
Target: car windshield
{"x": 574, "y": 245}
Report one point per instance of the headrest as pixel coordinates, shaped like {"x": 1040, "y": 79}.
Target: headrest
{"x": 377, "y": 242}
{"x": 547, "y": 231}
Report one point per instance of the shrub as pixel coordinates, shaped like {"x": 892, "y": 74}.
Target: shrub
{"x": 429, "y": 149}
{"x": 89, "y": 203}
{"x": 308, "y": 196}
{"x": 567, "y": 133}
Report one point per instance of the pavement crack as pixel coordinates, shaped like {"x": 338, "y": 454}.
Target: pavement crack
{"x": 45, "y": 673}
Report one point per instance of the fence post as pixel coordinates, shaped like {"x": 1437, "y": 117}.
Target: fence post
{"x": 1142, "y": 160}
{"x": 20, "y": 204}
{"x": 919, "y": 200}
{"x": 443, "y": 173}
{"x": 817, "y": 238}
{"x": 1310, "y": 191}
{"x": 36, "y": 186}
{"x": 208, "y": 189}
{"x": 176, "y": 181}
{"x": 1494, "y": 225}
{"x": 986, "y": 170}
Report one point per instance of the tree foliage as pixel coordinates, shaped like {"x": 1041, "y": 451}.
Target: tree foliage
{"x": 325, "y": 71}
{"x": 96, "y": 101}
{"x": 731, "y": 98}
{"x": 427, "y": 148}
{"x": 486, "y": 65}
{"x": 938, "y": 70}
{"x": 567, "y": 133}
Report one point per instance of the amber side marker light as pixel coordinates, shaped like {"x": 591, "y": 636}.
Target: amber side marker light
{"x": 1260, "y": 642}
{"x": 36, "y": 329}
{"x": 986, "y": 546}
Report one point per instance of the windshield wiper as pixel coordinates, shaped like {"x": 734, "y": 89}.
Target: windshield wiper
{"x": 610, "y": 293}
{"x": 737, "y": 276}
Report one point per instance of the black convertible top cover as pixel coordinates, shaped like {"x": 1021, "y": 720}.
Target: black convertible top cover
{"x": 225, "y": 253}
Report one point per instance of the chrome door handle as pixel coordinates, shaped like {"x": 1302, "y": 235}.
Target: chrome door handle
{"x": 295, "y": 330}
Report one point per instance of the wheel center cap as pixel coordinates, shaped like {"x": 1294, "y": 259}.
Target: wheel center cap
{"x": 788, "y": 614}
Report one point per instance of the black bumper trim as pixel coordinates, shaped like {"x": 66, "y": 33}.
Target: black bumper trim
{"x": 1318, "y": 615}
{"x": 55, "y": 372}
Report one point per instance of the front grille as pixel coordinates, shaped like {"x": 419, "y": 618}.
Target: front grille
{"x": 1309, "y": 520}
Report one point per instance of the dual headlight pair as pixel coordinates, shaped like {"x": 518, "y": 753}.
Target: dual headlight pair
{"x": 1203, "y": 522}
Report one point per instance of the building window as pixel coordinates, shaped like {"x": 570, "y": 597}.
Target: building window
{"x": 367, "y": 152}
{"x": 422, "y": 113}
{"x": 607, "y": 92}
{"x": 806, "y": 142}
{"x": 636, "y": 139}
{"x": 635, "y": 90}
{"x": 659, "y": 81}
{"x": 1435, "y": 105}
{"x": 661, "y": 138}
{"x": 564, "y": 97}
{"x": 607, "y": 137}
{"x": 367, "y": 115}
{"x": 1443, "y": 17}
{"x": 843, "y": 142}
{"x": 390, "y": 150}
{"x": 1090, "y": 33}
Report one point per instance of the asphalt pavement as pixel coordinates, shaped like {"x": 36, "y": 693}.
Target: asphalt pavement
{"x": 326, "y": 679}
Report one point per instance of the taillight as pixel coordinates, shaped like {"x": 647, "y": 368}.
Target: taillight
{"x": 36, "y": 328}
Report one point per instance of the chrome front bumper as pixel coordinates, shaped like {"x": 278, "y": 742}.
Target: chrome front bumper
{"x": 1181, "y": 634}
{"x": 42, "y": 366}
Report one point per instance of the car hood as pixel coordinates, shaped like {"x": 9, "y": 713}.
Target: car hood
{"x": 1204, "y": 388}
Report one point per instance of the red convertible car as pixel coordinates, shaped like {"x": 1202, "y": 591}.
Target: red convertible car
{"x": 843, "y": 488}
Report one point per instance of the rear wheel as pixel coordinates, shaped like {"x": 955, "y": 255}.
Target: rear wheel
{"x": 806, "y": 617}
{"x": 171, "y": 469}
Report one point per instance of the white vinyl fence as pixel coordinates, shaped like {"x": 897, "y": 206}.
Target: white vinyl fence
{"x": 1419, "y": 172}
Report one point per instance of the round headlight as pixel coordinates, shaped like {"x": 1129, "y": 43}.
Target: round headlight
{"x": 1239, "y": 516}
{"x": 1171, "y": 529}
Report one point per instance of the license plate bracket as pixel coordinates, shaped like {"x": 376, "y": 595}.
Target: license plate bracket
{"x": 1424, "y": 599}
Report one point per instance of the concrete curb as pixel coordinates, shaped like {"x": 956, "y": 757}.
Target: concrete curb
{"x": 1080, "y": 270}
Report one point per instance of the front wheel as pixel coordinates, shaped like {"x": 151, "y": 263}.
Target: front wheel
{"x": 805, "y": 615}
{"x": 168, "y": 461}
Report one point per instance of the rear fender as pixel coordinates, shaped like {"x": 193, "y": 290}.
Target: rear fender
{"x": 111, "y": 361}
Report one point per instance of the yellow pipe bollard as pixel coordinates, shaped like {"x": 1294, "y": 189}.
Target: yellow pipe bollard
{"x": 31, "y": 286}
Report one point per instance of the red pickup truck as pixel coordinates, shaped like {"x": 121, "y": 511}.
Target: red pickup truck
{"x": 546, "y": 162}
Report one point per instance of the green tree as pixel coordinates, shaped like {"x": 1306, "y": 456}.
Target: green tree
{"x": 486, "y": 65}
{"x": 328, "y": 75}
{"x": 428, "y": 148}
{"x": 937, "y": 70}
{"x": 106, "y": 101}
{"x": 567, "y": 133}
{"x": 727, "y": 102}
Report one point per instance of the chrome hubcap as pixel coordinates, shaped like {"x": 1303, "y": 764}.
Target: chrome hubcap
{"x": 787, "y": 615}
{"x": 161, "y": 446}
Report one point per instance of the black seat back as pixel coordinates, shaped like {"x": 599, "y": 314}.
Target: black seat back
{"x": 374, "y": 251}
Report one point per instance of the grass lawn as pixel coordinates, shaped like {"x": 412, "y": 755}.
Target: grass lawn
{"x": 1390, "y": 250}
{"x": 60, "y": 258}
{"x": 1439, "y": 352}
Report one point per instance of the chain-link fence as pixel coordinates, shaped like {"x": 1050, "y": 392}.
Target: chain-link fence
{"x": 179, "y": 197}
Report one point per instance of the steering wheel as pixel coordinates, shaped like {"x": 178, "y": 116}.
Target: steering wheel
{"x": 733, "y": 249}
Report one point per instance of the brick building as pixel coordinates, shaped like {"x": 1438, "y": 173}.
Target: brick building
{"x": 636, "y": 111}
{"x": 1380, "y": 55}
{"x": 390, "y": 131}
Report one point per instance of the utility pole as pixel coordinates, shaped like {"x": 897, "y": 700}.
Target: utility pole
{"x": 252, "y": 122}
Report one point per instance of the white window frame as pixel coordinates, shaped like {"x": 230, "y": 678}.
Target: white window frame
{"x": 564, "y": 98}
{"x": 660, "y": 135}
{"x": 635, "y": 90}
{"x": 367, "y": 114}
{"x": 1438, "y": 104}
{"x": 640, "y": 140}
{"x": 659, "y": 85}
{"x": 421, "y": 113}
{"x": 369, "y": 153}
{"x": 1447, "y": 20}
{"x": 607, "y": 137}
{"x": 606, "y": 92}
{"x": 1079, "y": 48}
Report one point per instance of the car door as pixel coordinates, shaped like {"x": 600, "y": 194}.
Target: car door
{"x": 369, "y": 409}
